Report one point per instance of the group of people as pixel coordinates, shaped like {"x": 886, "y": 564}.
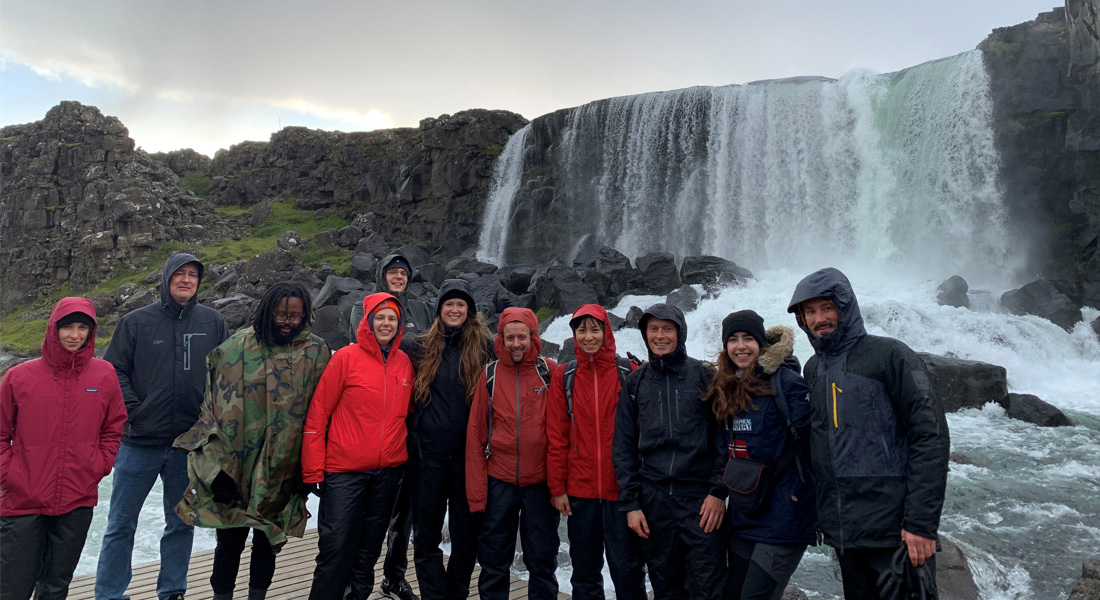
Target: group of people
{"x": 713, "y": 480}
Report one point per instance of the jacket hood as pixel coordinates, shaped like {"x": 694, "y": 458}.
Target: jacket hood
{"x": 666, "y": 312}
{"x": 57, "y": 357}
{"x": 528, "y": 318}
{"x": 458, "y": 288}
{"x": 175, "y": 262}
{"x": 606, "y": 352}
{"x": 831, "y": 284}
{"x": 380, "y": 271}
{"x": 365, "y": 333}
{"x": 780, "y": 347}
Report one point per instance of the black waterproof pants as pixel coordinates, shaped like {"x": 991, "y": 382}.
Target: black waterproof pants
{"x": 597, "y": 527}
{"x": 527, "y": 510}
{"x": 39, "y": 553}
{"x": 441, "y": 483}
{"x": 397, "y": 540}
{"x": 227, "y": 560}
{"x": 759, "y": 571}
{"x": 860, "y": 569}
{"x": 683, "y": 561}
{"x": 355, "y": 512}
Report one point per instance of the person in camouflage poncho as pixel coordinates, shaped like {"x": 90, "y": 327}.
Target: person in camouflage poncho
{"x": 245, "y": 450}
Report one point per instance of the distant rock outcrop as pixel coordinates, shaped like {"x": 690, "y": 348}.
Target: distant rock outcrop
{"x": 425, "y": 183}
{"x": 78, "y": 202}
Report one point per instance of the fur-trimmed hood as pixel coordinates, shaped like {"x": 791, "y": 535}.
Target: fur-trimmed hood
{"x": 780, "y": 348}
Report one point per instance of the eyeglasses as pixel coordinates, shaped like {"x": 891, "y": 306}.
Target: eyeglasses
{"x": 281, "y": 318}
{"x": 398, "y": 271}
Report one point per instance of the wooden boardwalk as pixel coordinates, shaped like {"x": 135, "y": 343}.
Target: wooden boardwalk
{"x": 293, "y": 576}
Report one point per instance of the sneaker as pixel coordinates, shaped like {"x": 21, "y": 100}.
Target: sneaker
{"x": 398, "y": 589}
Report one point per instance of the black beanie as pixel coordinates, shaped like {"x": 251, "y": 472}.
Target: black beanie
{"x": 747, "y": 321}
{"x": 398, "y": 261}
{"x": 76, "y": 317}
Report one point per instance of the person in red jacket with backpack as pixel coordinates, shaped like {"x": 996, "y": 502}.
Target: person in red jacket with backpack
{"x": 506, "y": 461}
{"x": 353, "y": 446}
{"x": 580, "y": 424}
{"x": 61, "y": 420}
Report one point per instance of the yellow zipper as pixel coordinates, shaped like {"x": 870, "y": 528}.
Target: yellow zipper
{"x": 835, "y": 390}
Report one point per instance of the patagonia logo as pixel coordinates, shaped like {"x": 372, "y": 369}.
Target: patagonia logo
{"x": 91, "y": 389}
{"x": 741, "y": 425}
{"x": 155, "y": 342}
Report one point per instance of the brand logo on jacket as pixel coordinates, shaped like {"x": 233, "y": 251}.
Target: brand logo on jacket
{"x": 155, "y": 342}
{"x": 91, "y": 389}
{"x": 741, "y": 425}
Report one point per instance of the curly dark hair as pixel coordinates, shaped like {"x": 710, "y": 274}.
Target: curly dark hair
{"x": 263, "y": 321}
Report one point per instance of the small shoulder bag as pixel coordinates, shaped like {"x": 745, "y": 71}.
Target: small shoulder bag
{"x": 751, "y": 482}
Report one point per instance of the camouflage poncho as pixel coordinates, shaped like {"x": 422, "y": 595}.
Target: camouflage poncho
{"x": 250, "y": 426}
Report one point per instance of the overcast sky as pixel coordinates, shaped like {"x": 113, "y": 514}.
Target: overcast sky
{"x": 208, "y": 74}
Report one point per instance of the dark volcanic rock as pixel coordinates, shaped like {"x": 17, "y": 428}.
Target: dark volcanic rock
{"x": 182, "y": 162}
{"x": 1042, "y": 299}
{"x": 1088, "y": 586}
{"x": 1026, "y": 407}
{"x": 952, "y": 292}
{"x": 364, "y": 267}
{"x": 427, "y": 183}
{"x": 1096, "y": 326}
{"x": 633, "y": 317}
{"x": 962, "y": 383}
{"x": 235, "y": 309}
{"x": 78, "y": 200}
{"x": 685, "y": 298}
{"x": 611, "y": 263}
{"x": 331, "y": 325}
{"x": 657, "y": 271}
{"x": 954, "y": 579}
{"x": 560, "y": 288}
{"x": 713, "y": 272}
{"x": 516, "y": 278}
{"x": 334, "y": 289}
{"x": 289, "y": 239}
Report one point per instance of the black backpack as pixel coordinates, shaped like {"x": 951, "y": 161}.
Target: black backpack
{"x": 543, "y": 369}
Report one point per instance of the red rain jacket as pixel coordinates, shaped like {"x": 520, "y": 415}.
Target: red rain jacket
{"x": 61, "y": 420}
{"x": 356, "y": 420}
{"x": 578, "y": 460}
{"x": 519, "y": 424}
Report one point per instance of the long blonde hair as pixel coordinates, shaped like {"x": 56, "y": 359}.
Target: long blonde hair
{"x": 475, "y": 342}
{"x": 731, "y": 392}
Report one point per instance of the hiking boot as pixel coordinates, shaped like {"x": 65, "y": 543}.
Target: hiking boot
{"x": 398, "y": 589}
{"x": 176, "y": 596}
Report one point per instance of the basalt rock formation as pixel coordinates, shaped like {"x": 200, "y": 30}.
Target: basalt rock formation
{"x": 78, "y": 203}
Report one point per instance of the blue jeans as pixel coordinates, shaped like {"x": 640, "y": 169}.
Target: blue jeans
{"x": 136, "y": 470}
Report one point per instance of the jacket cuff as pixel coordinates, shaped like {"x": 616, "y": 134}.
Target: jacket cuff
{"x": 719, "y": 492}
{"x": 627, "y": 505}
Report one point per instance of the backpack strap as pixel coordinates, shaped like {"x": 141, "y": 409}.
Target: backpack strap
{"x": 543, "y": 369}
{"x": 569, "y": 377}
{"x": 624, "y": 369}
{"x": 785, "y": 410}
{"x": 490, "y": 384}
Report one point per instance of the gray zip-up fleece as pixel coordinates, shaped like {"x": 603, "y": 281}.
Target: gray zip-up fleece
{"x": 159, "y": 352}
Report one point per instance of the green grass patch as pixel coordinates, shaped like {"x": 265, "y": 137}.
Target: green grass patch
{"x": 233, "y": 211}
{"x": 198, "y": 183}
{"x": 12, "y": 138}
{"x": 493, "y": 150}
{"x": 338, "y": 258}
{"x": 22, "y": 336}
{"x": 544, "y": 313}
{"x": 284, "y": 217}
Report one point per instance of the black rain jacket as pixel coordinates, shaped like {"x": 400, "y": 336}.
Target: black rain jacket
{"x": 159, "y": 352}
{"x": 664, "y": 431}
{"x": 879, "y": 438}
{"x": 418, "y": 314}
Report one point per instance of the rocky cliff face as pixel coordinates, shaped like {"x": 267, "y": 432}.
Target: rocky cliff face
{"x": 427, "y": 183}
{"x": 78, "y": 203}
{"x": 1045, "y": 76}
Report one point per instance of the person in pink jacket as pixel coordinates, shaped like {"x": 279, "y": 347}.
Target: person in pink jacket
{"x": 61, "y": 420}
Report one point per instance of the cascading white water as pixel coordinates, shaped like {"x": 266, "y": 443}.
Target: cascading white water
{"x": 869, "y": 169}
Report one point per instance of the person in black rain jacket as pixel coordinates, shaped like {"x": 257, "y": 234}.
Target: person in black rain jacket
{"x": 879, "y": 438}
{"x": 669, "y": 472}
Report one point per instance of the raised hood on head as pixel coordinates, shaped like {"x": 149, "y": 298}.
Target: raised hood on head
{"x": 52, "y": 352}
{"x": 833, "y": 285}
{"x": 528, "y": 318}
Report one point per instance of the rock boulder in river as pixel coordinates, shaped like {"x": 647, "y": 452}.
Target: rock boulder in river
{"x": 962, "y": 383}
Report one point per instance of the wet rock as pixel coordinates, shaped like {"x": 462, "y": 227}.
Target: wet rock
{"x": 1096, "y": 326}
{"x": 260, "y": 213}
{"x": 1027, "y": 407}
{"x": 348, "y": 237}
{"x": 615, "y": 321}
{"x": 334, "y": 289}
{"x": 561, "y": 289}
{"x": 516, "y": 278}
{"x": 1088, "y": 586}
{"x": 952, "y": 292}
{"x": 373, "y": 244}
{"x": 712, "y": 272}
{"x": 685, "y": 298}
{"x": 430, "y": 273}
{"x": 793, "y": 593}
{"x": 235, "y": 309}
{"x": 269, "y": 268}
{"x": 610, "y": 263}
{"x": 464, "y": 264}
{"x": 568, "y": 351}
{"x": 417, "y": 256}
{"x": 364, "y": 267}
{"x": 289, "y": 240}
{"x": 137, "y": 298}
{"x": 954, "y": 578}
{"x": 486, "y": 289}
{"x": 1042, "y": 299}
{"x": 633, "y": 317}
{"x": 551, "y": 350}
{"x": 331, "y": 325}
{"x": 962, "y": 383}
{"x": 657, "y": 272}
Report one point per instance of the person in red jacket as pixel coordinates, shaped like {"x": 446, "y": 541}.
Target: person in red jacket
{"x": 61, "y": 420}
{"x": 506, "y": 461}
{"x": 578, "y": 461}
{"x": 353, "y": 446}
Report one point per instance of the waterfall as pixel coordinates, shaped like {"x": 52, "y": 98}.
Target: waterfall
{"x": 871, "y": 169}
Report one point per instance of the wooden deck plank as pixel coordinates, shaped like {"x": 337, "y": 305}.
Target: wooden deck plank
{"x": 293, "y": 576}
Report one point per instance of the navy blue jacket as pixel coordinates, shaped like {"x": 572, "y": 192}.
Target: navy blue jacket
{"x": 159, "y": 352}
{"x": 879, "y": 437}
